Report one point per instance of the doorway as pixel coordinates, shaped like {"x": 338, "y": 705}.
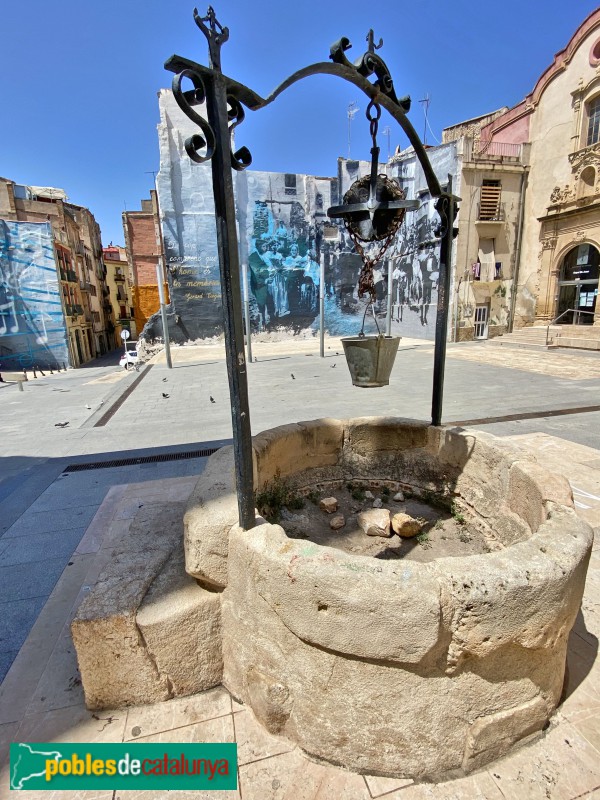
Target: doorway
{"x": 481, "y": 322}
{"x": 578, "y": 286}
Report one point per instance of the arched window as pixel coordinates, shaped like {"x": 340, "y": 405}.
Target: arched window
{"x": 587, "y": 182}
{"x": 581, "y": 264}
{"x": 593, "y": 118}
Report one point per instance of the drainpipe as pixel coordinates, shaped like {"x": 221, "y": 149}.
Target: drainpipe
{"x": 513, "y": 299}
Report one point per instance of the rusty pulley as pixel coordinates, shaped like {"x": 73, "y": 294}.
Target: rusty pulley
{"x": 373, "y": 210}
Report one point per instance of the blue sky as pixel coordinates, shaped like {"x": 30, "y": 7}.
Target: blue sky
{"x": 79, "y": 80}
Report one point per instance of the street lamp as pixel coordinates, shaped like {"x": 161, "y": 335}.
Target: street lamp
{"x": 226, "y": 100}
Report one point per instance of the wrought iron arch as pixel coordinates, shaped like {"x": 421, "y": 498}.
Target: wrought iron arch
{"x": 226, "y": 101}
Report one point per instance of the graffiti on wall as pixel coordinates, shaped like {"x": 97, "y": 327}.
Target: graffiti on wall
{"x": 287, "y": 242}
{"x": 32, "y": 328}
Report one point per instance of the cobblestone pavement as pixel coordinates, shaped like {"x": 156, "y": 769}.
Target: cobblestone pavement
{"x": 561, "y": 363}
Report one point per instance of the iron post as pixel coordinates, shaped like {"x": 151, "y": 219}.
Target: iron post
{"x": 247, "y": 311}
{"x": 447, "y": 209}
{"x": 388, "y": 321}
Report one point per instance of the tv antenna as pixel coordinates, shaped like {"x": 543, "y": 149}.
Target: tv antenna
{"x": 387, "y": 133}
{"x": 353, "y": 110}
{"x": 426, "y": 101}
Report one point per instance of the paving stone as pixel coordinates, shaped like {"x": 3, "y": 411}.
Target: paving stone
{"x": 73, "y": 724}
{"x": 27, "y": 581}
{"x": 44, "y": 522}
{"x": 219, "y": 729}
{"x": 60, "y": 683}
{"x": 6, "y": 659}
{"x": 7, "y": 735}
{"x": 16, "y": 619}
{"x": 160, "y": 717}
{"x": 60, "y": 496}
{"x": 476, "y": 787}
{"x": 291, "y": 776}
{"x": 37, "y": 547}
{"x": 379, "y": 786}
{"x": 562, "y": 765}
{"x": 254, "y": 742}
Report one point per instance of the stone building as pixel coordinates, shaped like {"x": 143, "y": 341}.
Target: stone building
{"x": 560, "y": 121}
{"x": 69, "y": 300}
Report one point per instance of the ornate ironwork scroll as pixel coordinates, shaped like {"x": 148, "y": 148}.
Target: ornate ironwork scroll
{"x": 226, "y": 101}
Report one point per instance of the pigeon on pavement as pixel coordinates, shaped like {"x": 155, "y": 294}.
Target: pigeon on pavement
{"x": 212, "y": 399}
{"x": 164, "y": 394}
{"x": 60, "y": 424}
{"x": 293, "y": 376}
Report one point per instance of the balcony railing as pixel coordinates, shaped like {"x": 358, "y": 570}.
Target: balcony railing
{"x": 119, "y": 275}
{"x": 485, "y": 149}
{"x": 71, "y": 276}
{"x": 488, "y": 213}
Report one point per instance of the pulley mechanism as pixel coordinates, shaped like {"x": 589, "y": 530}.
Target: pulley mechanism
{"x": 373, "y": 210}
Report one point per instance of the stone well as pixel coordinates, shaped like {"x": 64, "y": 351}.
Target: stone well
{"x": 395, "y": 667}
{"x": 390, "y": 667}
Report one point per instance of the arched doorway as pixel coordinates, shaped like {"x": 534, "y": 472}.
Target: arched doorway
{"x": 578, "y": 285}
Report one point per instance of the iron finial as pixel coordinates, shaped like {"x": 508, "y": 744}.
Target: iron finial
{"x": 371, "y": 42}
{"x": 215, "y": 33}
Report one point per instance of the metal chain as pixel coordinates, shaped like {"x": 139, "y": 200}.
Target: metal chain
{"x": 365, "y": 279}
{"x": 374, "y": 121}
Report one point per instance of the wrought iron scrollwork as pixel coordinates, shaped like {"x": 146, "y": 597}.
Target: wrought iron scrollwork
{"x": 186, "y": 102}
{"x": 368, "y": 64}
{"x": 201, "y": 147}
{"x": 242, "y": 158}
{"x": 442, "y": 206}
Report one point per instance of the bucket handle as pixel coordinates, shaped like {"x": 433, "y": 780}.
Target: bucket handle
{"x": 369, "y": 305}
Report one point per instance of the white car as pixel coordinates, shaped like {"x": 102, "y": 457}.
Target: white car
{"x": 129, "y": 359}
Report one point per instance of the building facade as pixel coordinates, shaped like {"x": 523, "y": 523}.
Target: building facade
{"x": 143, "y": 245}
{"x": 289, "y": 249}
{"x": 120, "y": 291}
{"x": 560, "y": 120}
{"x": 73, "y": 255}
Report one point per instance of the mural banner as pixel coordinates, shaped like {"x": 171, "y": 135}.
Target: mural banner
{"x": 32, "y": 324}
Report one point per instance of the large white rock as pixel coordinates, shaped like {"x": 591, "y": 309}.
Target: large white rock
{"x": 375, "y": 522}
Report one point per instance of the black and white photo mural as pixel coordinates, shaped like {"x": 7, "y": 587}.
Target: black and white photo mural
{"x": 287, "y": 242}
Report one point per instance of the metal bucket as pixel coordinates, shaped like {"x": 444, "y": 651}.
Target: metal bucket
{"x": 370, "y": 359}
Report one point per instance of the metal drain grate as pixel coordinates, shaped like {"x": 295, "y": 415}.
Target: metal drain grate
{"x": 132, "y": 462}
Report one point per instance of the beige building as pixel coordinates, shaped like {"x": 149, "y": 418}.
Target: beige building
{"x": 78, "y": 256}
{"x": 118, "y": 283}
{"x": 557, "y": 267}
{"x": 491, "y": 181}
